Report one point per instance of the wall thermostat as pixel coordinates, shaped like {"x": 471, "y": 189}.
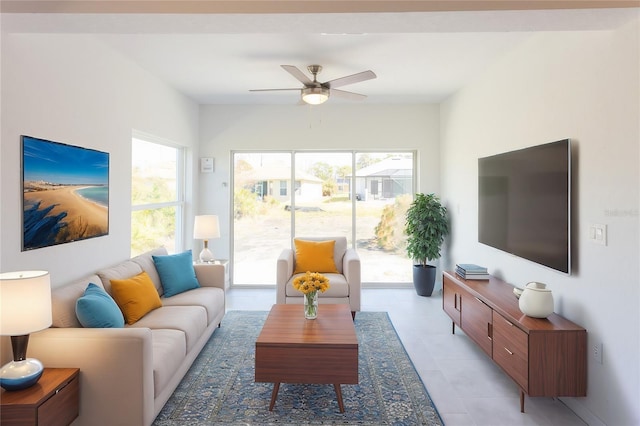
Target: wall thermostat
{"x": 206, "y": 165}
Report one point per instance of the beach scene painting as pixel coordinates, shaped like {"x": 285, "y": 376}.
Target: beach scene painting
{"x": 65, "y": 193}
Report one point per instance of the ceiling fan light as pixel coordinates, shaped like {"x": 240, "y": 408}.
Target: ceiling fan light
{"x": 315, "y": 95}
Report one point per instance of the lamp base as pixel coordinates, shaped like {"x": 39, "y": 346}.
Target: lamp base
{"x": 17, "y": 375}
{"x": 206, "y": 256}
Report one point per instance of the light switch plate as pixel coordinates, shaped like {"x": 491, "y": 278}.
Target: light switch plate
{"x": 598, "y": 233}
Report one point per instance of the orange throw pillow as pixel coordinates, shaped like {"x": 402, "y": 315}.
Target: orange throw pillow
{"x": 135, "y": 296}
{"x": 314, "y": 256}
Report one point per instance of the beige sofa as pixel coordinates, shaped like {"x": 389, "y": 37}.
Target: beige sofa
{"x": 128, "y": 374}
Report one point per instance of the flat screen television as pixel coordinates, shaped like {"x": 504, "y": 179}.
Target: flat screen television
{"x": 524, "y": 203}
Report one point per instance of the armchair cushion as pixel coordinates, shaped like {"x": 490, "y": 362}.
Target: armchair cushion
{"x": 314, "y": 256}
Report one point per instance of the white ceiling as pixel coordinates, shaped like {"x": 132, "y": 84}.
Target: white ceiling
{"x": 419, "y": 57}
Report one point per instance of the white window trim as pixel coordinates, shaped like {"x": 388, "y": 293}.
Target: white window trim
{"x": 181, "y": 181}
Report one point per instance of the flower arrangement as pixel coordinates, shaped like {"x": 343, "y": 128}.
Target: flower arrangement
{"x": 310, "y": 284}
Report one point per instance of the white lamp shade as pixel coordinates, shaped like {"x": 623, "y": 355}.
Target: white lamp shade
{"x": 206, "y": 227}
{"x": 25, "y": 302}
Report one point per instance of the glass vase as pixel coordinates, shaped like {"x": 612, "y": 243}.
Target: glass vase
{"x": 311, "y": 305}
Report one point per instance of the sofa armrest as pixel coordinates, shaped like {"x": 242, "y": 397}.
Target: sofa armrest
{"x": 210, "y": 274}
{"x": 351, "y": 269}
{"x": 284, "y": 273}
{"x": 116, "y": 371}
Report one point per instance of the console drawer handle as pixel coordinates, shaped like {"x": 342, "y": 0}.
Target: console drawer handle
{"x": 508, "y": 351}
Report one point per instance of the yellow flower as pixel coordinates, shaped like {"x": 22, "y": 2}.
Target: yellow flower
{"x": 310, "y": 282}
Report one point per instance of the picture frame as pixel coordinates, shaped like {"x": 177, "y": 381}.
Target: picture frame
{"x": 65, "y": 193}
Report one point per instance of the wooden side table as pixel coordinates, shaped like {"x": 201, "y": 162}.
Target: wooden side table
{"x": 53, "y": 401}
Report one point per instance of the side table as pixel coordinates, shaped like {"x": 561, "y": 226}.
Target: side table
{"x": 53, "y": 401}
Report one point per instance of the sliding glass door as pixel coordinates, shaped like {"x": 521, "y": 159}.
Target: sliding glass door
{"x": 363, "y": 196}
{"x": 383, "y": 186}
{"x": 261, "y": 220}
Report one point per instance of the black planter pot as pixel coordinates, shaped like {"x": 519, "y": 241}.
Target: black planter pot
{"x": 424, "y": 278}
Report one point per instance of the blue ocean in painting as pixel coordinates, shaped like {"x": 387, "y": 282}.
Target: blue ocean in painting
{"x": 97, "y": 194}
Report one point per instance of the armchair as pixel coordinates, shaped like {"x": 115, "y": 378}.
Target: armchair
{"x": 344, "y": 280}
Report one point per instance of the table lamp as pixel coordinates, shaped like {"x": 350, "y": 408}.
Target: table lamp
{"x": 205, "y": 228}
{"x": 25, "y": 307}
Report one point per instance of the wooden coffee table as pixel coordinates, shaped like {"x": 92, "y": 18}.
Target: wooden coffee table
{"x": 292, "y": 349}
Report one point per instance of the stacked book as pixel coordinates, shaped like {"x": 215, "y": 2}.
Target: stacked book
{"x": 469, "y": 271}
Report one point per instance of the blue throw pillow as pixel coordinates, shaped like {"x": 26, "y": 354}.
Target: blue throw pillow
{"x": 96, "y": 309}
{"x": 176, "y": 273}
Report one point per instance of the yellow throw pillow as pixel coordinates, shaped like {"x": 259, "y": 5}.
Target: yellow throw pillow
{"x": 314, "y": 256}
{"x": 136, "y": 296}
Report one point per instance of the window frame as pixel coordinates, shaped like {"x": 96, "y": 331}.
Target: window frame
{"x": 294, "y": 193}
{"x": 180, "y": 190}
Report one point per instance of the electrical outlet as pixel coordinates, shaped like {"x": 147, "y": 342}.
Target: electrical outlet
{"x": 597, "y": 353}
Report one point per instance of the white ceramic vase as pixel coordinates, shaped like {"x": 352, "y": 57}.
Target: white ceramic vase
{"x": 536, "y": 300}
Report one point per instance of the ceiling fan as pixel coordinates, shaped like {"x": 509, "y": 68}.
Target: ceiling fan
{"x": 315, "y": 92}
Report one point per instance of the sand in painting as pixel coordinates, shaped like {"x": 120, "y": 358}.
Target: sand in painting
{"x": 83, "y": 218}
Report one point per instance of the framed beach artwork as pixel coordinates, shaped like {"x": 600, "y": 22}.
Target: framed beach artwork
{"x": 65, "y": 193}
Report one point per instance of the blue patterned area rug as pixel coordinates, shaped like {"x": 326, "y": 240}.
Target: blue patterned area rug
{"x": 219, "y": 389}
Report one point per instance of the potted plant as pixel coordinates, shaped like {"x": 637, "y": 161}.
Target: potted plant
{"x": 426, "y": 227}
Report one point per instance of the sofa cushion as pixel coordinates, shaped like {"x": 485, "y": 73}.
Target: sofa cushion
{"x": 96, "y": 309}
{"x": 176, "y": 273}
{"x": 136, "y": 296}
{"x": 120, "y": 271}
{"x": 314, "y": 256}
{"x": 191, "y": 320}
{"x": 169, "y": 351}
{"x": 63, "y": 301}
{"x": 210, "y": 298}
{"x": 145, "y": 260}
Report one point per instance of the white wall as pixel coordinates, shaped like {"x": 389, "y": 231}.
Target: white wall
{"x": 582, "y": 86}
{"x": 74, "y": 90}
{"x": 326, "y": 127}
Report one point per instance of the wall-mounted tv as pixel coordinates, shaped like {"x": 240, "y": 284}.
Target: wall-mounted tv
{"x": 524, "y": 203}
{"x": 65, "y": 193}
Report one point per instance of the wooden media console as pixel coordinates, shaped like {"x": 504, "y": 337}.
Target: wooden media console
{"x": 545, "y": 357}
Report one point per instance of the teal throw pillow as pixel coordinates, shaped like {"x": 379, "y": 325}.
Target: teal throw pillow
{"x": 96, "y": 309}
{"x": 176, "y": 273}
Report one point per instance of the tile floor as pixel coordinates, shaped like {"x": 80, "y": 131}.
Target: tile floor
{"x": 465, "y": 385}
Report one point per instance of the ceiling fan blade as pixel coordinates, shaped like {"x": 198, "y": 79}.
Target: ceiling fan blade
{"x": 348, "y": 95}
{"x": 271, "y": 90}
{"x": 299, "y": 75}
{"x": 350, "y": 79}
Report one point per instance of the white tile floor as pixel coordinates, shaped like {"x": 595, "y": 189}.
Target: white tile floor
{"x": 465, "y": 385}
